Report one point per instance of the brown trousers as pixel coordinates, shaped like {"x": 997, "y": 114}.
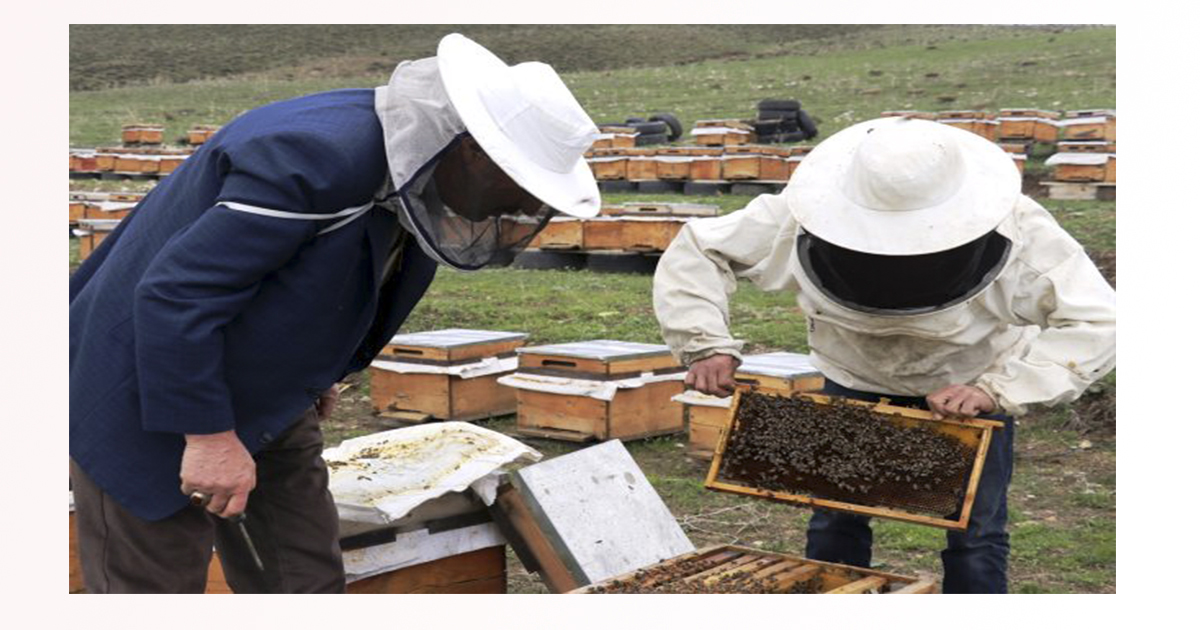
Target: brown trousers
{"x": 290, "y": 516}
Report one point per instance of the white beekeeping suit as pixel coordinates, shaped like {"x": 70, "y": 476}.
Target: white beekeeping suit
{"x": 1035, "y": 324}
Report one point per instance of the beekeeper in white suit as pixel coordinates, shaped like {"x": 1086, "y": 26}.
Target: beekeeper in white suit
{"x": 925, "y": 276}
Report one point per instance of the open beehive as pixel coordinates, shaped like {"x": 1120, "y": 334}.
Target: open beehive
{"x": 873, "y": 459}
{"x": 733, "y": 569}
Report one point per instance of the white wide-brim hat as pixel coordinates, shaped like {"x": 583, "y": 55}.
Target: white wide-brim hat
{"x": 526, "y": 120}
{"x": 898, "y": 186}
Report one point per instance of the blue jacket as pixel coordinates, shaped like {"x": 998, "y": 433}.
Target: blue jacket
{"x": 195, "y": 317}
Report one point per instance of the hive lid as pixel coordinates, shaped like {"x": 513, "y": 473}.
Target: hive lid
{"x": 602, "y": 349}
{"x": 454, "y": 337}
{"x": 779, "y": 364}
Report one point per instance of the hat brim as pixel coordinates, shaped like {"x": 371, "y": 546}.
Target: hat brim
{"x": 574, "y": 192}
{"x": 990, "y": 188}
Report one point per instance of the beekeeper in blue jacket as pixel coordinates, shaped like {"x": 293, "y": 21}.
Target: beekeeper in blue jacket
{"x": 209, "y": 328}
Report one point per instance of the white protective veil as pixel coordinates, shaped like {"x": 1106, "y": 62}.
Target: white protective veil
{"x": 420, "y": 124}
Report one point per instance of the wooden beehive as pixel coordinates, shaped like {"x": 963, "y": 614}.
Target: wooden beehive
{"x": 641, "y": 166}
{"x": 631, "y": 233}
{"x": 91, "y": 233}
{"x": 1034, "y": 125}
{"x": 910, "y": 113}
{"x": 76, "y": 571}
{"x": 974, "y": 434}
{"x": 755, "y": 162}
{"x": 597, "y": 390}
{"x": 609, "y": 164}
{"x": 736, "y": 569}
{"x": 560, "y": 233}
{"x": 483, "y": 571}
{"x": 142, "y": 134}
{"x": 615, "y": 138}
{"x": 722, "y": 132}
{"x": 1084, "y": 167}
{"x": 428, "y": 375}
{"x": 705, "y": 164}
{"x": 673, "y": 163}
{"x": 979, "y": 123}
{"x": 783, "y": 373}
{"x": 135, "y": 163}
{"x": 199, "y": 134}
{"x": 1089, "y": 125}
{"x": 169, "y": 163}
{"x": 1087, "y": 146}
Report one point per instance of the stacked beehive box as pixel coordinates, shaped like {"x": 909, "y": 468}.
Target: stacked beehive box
{"x": 199, "y": 134}
{"x": 755, "y": 162}
{"x": 983, "y": 124}
{"x": 142, "y": 134}
{"x": 722, "y": 132}
{"x": 597, "y": 390}
{"x": 445, "y": 375}
{"x": 1028, "y": 125}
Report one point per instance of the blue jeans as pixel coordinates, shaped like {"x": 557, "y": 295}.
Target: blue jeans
{"x": 974, "y": 561}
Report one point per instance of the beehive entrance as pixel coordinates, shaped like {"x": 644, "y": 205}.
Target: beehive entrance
{"x": 845, "y": 452}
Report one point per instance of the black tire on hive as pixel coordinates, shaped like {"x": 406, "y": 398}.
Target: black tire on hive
{"x": 644, "y": 139}
{"x": 779, "y": 104}
{"x": 634, "y": 119}
{"x": 777, "y": 114}
{"x": 807, "y": 125}
{"x": 676, "y": 128}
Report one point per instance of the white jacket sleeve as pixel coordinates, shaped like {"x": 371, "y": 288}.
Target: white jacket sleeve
{"x": 699, "y": 271}
{"x": 1067, "y": 297}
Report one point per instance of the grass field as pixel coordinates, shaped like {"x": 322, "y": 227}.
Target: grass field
{"x": 1063, "y": 495}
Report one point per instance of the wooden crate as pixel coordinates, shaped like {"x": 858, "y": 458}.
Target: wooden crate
{"x": 766, "y": 571}
{"x": 560, "y": 233}
{"x": 641, "y": 166}
{"x": 1089, "y": 125}
{"x": 974, "y": 433}
{"x": 783, "y": 373}
{"x": 631, "y": 413}
{"x": 414, "y": 396}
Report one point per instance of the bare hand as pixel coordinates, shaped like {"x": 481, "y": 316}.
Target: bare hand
{"x": 220, "y": 466}
{"x": 713, "y": 375}
{"x": 327, "y": 402}
{"x": 960, "y": 400}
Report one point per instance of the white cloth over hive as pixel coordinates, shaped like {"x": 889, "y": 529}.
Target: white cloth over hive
{"x": 483, "y": 367}
{"x": 380, "y": 478}
{"x": 600, "y": 390}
